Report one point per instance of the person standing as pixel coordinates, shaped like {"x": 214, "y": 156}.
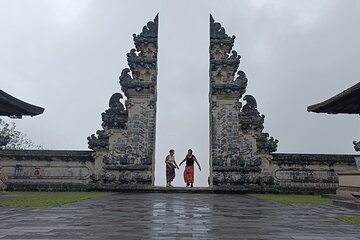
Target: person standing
{"x": 170, "y": 167}
{"x": 189, "y": 168}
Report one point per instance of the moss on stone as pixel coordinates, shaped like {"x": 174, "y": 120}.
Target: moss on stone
{"x": 349, "y": 219}
{"x": 294, "y": 198}
{"x": 45, "y": 199}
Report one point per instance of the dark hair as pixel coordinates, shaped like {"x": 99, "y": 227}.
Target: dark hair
{"x": 190, "y": 149}
{"x": 171, "y": 150}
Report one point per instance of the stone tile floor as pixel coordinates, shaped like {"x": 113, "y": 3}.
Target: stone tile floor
{"x": 178, "y": 216}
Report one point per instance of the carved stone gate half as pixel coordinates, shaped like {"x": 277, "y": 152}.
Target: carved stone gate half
{"x": 239, "y": 150}
{"x": 124, "y": 150}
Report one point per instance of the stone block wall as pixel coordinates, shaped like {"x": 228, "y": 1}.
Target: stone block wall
{"x": 349, "y": 183}
{"x": 46, "y": 169}
{"x": 309, "y": 173}
{"x": 74, "y": 171}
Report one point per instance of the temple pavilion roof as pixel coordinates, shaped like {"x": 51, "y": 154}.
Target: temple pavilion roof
{"x": 13, "y": 107}
{"x": 347, "y": 101}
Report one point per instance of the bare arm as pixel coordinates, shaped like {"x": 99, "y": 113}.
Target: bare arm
{"x": 182, "y": 161}
{"x": 176, "y": 165}
{"x": 197, "y": 163}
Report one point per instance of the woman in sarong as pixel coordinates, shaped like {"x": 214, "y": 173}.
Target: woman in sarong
{"x": 189, "y": 168}
{"x": 170, "y": 167}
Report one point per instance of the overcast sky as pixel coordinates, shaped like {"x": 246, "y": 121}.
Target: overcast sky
{"x": 66, "y": 56}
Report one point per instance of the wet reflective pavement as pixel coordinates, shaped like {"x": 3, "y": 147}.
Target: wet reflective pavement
{"x": 178, "y": 216}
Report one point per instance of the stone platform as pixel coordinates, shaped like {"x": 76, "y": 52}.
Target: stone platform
{"x": 178, "y": 216}
{"x": 158, "y": 189}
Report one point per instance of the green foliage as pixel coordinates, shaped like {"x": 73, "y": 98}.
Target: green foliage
{"x": 45, "y": 199}
{"x": 350, "y": 219}
{"x": 294, "y": 199}
{"x": 17, "y": 139}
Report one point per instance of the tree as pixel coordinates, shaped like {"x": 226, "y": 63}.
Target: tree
{"x": 10, "y": 138}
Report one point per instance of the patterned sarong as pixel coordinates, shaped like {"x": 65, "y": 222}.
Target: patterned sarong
{"x": 189, "y": 174}
{"x": 170, "y": 172}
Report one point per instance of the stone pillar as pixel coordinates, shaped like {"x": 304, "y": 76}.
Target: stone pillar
{"x": 239, "y": 151}
{"x": 125, "y": 148}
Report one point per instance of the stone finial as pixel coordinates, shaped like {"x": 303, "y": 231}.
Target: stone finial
{"x": 241, "y": 81}
{"x": 125, "y": 78}
{"x": 249, "y": 117}
{"x": 142, "y": 61}
{"x": 114, "y": 101}
{"x": 251, "y": 105}
{"x": 149, "y": 33}
{"x": 116, "y": 116}
{"x": 224, "y": 63}
{"x": 356, "y": 146}
{"x": 217, "y": 32}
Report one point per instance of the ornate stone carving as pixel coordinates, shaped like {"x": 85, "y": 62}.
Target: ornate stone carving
{"x": 356, "y": 146}
{"x": 98, "y": 141}
{"x": 253, "y": 161}
{"x": 249, "y": 117}
{"x": 128, "y": 83}
{"x": 224, "y": 63}
{"x": 125, "y": 78}
{"x": 116, "y": 116}
{"x": 149, "y": 34}
{"x": 113, "y": 118}
{"x": 135, "y": 59}
{"x": 218, "y": 34}
{"x": 266, "y": 144}
{"x": 142, "y": 62}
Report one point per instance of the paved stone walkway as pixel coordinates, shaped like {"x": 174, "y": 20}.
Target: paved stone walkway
{"x": 177, "y": 216}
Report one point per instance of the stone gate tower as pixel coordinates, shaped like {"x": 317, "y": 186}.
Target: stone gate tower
{"x": 124, "y": 150}
{"x": 239, "y": 150}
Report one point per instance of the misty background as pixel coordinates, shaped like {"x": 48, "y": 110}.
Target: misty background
{"x": 66, "y": 56}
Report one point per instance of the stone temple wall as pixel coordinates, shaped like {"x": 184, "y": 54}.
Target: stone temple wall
{"x": 46, "y": 169}
{"x": 54, "y": 170}
{"x": 239, "y": 148}
{"x": 309, "y": 173}
{"x": 125, "y": 147}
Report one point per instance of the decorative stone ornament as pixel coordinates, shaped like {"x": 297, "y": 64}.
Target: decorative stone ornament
{"x": 356, "y": 146}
